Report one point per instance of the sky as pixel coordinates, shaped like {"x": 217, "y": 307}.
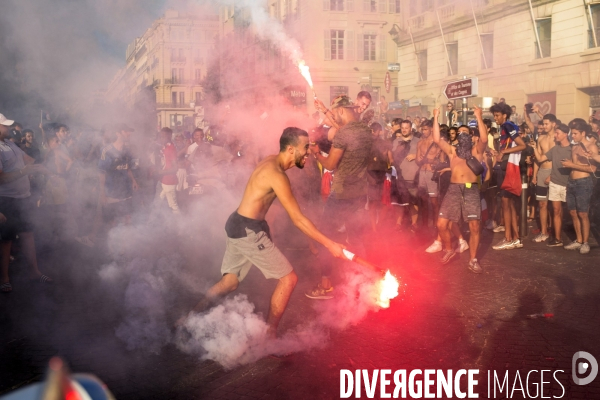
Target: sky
{"x": 53, "y": 52}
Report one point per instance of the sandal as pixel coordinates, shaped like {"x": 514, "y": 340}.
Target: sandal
{"x": 6, "y": 287}
{"x": 42, "y": 279}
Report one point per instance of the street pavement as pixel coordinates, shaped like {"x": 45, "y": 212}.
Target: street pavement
{"x": 445, "y": 318}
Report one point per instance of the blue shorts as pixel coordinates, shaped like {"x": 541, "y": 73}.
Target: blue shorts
{"x": 579, "y": 194}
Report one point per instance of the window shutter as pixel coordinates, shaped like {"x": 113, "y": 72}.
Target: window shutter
{"x": 381, "y": 5}
{"x": 360, "y": 54}
{"x": 326, "y": 5}
{"x": 350, "y": 48}
{"x": 382, "y": 48}
{"x": 393, "y": 7}
{"x": 349, "y": 5}
{"x": 327, "y": 44}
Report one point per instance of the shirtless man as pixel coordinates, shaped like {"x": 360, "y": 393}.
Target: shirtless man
{"x": 428, "y": 154}
{"x": 463, "y": 193}
{"x": 248, "y": 235}
{"x": 541, "y": 173}
{"x": 581, "y": 184}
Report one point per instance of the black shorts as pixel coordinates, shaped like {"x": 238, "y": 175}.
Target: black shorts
{"x": 117, "y": 210}
{"x": 461, "y": 199}
{"x": 18, "y": 213}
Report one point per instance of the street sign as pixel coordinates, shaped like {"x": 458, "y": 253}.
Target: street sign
{"x": 393, "y": 67}
{"x": 387, "y": 82}
{"x": 460, "y": 89}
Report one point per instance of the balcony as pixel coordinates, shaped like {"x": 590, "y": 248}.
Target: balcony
{"x": 447, "y": 11}
{"x": 179, "y": 106}
{"x": 178, "y": 59}
{"x": 421, "y": 21}
{"x": 176, "y": 81}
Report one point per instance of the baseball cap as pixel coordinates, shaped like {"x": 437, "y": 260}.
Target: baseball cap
{"x": 5, "y": 121}
{"x": 123, "y": 127}
{"x": 342, "y": 101}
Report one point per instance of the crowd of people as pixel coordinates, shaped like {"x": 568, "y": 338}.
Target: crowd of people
{"x": 421, "y": 176}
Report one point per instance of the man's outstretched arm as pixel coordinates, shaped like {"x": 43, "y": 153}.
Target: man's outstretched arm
{"x": 283, "y": 190}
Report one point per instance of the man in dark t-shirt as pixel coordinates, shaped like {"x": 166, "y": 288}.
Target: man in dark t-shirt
{"x": 349, "y": 158}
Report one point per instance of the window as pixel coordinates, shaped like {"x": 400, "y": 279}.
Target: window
{"x": 181, "y": 76}
{"x": 176, "y": 120}
{"x": 173, "y": 54}
{"x": 370, "y": 6}
{"x": 180, "y": 54}
{"x": 394, "y": 6}
{"x": 426, "y": 5}
{"x": 181, "y": 97}
{"x": 337, "y": 45}
{"x": 487, "y": 42}
{"x": 174, "y": 97}
{"x": 422, "y": 65}
{"x": 369, "y": 47}
{"x": 453, "y": 58}
{"x": 197, "y": 75}
{"x": 595, "y": 26}
{"x": 173, "y": 75}
{"x": 198, "y": 98}
{"x": 544, "y": 28}
{"x": 336, "y": 5}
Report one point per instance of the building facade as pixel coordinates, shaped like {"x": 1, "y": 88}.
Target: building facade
{"x": 345, "y": 43}
{"x": 545, "y": 52}
{"x": 166, "y": 66}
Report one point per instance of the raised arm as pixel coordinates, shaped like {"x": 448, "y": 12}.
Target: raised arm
{"x": 483, "y": 135}
{"x": 446, "y": 148}
{"x": 527, "y": 119}
{"x": 283, "y": 190}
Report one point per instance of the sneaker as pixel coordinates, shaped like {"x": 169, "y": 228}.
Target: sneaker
{"x": 517, "y": 243}
{"x": 475, "y": 267}
{"x": 448, "y": 255}
{"x": 574, "y": 245}
{"x": 319, "y": 293}
{"x": 463, "y": 246}
{"x": 585, "y": 248}
{"x": 499, "y": 228}
{"x": 491, "y": 224}
{"x": 504, "y": 245}
{"x": 435, "y": 247}
{"x": 541, "y": 237}
{"x": 554, "y": 243}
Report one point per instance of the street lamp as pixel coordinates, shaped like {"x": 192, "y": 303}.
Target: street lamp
{"x": 395, "y": 33}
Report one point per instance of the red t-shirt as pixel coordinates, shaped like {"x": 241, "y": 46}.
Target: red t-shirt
{"x": 169, "y": 161}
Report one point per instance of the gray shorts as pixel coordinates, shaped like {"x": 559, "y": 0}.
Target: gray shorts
{"x": 461, "y": 199}
{"x": 541, "y": 189}
{"x": 257, "y": 249}
{"x": 426, "y": 184}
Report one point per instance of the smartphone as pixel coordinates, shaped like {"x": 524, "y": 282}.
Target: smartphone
{"x": 529, "y": 108}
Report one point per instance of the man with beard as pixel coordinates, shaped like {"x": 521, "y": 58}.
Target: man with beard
{"x": 349, "y": 157}
{"x": 248, "y": 235}
{"x": 463, "y": 194}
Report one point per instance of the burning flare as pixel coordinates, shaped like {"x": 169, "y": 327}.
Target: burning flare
{"x": 388, "y": 290}
{"x": 306, "y": 74}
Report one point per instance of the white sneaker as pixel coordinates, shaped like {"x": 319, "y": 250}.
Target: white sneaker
{"x": 517, "y": 244}
{"x": 504, "y": 245}
{"x": 435, "y": 247}
{"x": 574, "y": 245}
{"x": 462, "y": 246}
{"x": 490, "y": 224}
{"x": 585, "y": 248}
{"x": 499, "y": 228}
{"x": 541, "y": 237}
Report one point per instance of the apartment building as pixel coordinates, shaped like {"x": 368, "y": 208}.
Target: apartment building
{"x": 167, "y": 64}
{"x": 545, "y": 52}
{"x": 346, "y": 44}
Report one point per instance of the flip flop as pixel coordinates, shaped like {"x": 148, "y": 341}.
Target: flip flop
{"x": 6, "y": 287}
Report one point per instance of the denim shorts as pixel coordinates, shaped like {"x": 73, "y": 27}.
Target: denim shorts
{"x": 579, "y": 194}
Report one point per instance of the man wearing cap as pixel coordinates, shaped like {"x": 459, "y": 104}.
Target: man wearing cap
{"x": 349, "y": 157}
{"x": 15, "y": 193}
